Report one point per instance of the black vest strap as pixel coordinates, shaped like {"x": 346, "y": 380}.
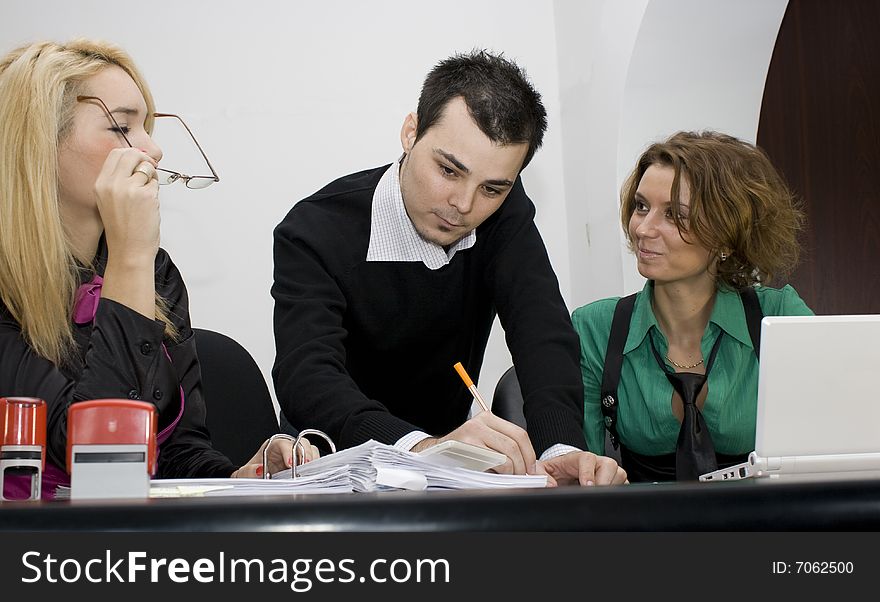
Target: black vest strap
{"x": 614, "y": 362}
{"x": 754, "y": 315}
{"x": 617, "y": 341}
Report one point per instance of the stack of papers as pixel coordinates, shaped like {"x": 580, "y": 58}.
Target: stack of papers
{"x": 333, "y": 480}
{"x": 375, "y": 466}
{"x": 440, "y": 476}
{"x": 357, "y": 461}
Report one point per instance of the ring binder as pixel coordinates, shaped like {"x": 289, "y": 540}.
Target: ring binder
{"x": 297, "y": 444}
{"x": 374, "y": 466}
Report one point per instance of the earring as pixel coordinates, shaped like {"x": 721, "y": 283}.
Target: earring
{"x": 724, "y": 256}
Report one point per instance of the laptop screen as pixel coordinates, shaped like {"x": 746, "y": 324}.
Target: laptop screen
{"x": 818, "y": 385}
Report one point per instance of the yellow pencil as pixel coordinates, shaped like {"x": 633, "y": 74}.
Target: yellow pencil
{"x": 470, "y": 385}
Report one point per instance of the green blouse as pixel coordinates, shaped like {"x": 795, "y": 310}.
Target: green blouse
{"x": 646, "y": 424}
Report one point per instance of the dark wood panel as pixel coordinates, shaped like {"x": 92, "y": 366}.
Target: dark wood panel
{"x": 820, "y": 124}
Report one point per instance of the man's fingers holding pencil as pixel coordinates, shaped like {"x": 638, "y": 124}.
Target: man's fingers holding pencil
{"x": 490, "y": 431}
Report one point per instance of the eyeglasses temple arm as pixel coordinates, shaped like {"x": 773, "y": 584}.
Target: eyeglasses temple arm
{"x": 199, "y": 146}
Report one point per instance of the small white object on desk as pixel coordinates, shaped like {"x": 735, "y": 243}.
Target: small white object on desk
{"x": 463, "y": 455}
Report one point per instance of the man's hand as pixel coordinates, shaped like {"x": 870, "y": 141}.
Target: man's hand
{"x": 489, "y": 431}
{"x": 585, "y": 468}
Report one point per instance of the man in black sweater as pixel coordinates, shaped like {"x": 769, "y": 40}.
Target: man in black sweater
{"x": 386, "y": 278}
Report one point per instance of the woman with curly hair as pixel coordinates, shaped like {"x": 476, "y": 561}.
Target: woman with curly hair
{"x": 672, "y": 371}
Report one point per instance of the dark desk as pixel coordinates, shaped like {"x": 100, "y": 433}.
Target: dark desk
{"x": 735, "y": 506}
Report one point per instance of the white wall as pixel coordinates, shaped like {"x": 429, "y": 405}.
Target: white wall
{"x": 286, "y": 96}
{"x": 595, "y": 49}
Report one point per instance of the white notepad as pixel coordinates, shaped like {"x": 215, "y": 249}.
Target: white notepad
{"x": 463, "y": 455}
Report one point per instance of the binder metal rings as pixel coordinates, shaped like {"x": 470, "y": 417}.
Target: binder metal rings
{"x": 297, "y": 445}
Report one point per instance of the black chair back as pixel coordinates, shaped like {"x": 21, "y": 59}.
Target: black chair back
{"x": 240, "y": 413}
{"x": 507, "y": 402}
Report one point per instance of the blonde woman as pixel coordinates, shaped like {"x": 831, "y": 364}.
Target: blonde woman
{"x": 92, "y": 307}
{"x": 672, "y": 371}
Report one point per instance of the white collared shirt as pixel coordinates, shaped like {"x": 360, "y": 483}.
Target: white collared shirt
{"x": 392, "y": 234}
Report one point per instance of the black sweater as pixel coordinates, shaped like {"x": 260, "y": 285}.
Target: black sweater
{"x": 365, "y": 350}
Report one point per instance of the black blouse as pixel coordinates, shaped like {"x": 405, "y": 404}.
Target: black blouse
{"x": 121, "y": 356}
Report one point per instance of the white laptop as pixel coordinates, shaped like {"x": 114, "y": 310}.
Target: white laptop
{"x": 818, "y": 400}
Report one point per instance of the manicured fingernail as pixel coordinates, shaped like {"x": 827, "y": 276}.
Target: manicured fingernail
{"x": 290, "y": 460}
{"x": 259, "y": 471}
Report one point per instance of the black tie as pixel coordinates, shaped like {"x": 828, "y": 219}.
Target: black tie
{"x": 694, "y": 451}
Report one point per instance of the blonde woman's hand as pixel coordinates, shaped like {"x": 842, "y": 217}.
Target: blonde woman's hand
{"x": 280, "y": 457}
{"x": 128, "y": 201}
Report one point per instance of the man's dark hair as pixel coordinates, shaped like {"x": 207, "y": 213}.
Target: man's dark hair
{"x": 497, "y": 93}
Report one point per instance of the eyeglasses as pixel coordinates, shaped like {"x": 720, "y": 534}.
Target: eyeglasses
{"x": 166, "y": 176}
